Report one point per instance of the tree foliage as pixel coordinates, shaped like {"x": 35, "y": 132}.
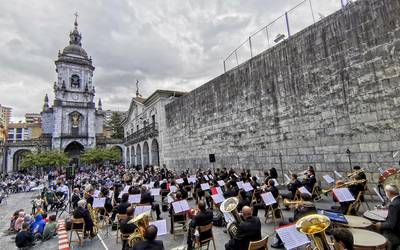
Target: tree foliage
{"x": 115, "y": 124}
{"x": 99, "y": 156}
{"x": 53, "y": 158}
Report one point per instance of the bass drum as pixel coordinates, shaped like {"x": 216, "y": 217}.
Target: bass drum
{"x": 390, "y": 176}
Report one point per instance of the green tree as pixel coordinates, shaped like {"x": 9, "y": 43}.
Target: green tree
{"x": 115, "y": 124}
{"x": 53, "y": 158}
{"x": 98, "y": 156}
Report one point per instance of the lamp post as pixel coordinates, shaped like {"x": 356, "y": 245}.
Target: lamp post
{"x": 348, "y": 152}
{"x": 280, "y": 160}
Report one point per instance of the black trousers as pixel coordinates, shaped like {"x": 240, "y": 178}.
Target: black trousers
{"x": 393, "y": 240}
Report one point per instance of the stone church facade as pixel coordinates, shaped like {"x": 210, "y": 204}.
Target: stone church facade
{"x": 73, "y": 122}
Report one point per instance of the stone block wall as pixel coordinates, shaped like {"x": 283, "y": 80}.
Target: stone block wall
{"x": 331, "y": 87}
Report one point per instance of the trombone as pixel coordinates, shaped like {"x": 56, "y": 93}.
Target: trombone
{"x": 340, "y": 184}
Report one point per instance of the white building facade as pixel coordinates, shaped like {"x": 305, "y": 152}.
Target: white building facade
{"x": 144, "y": 128}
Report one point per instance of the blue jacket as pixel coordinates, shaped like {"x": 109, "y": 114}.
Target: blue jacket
{"x": 38, "y": 225}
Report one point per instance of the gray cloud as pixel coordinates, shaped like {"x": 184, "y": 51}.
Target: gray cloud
{"x": 174, "y": 44}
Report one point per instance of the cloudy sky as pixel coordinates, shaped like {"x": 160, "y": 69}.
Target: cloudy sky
{"x": 165, "y": 44}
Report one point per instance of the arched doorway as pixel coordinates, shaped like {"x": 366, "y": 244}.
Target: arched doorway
{"x": 133, "y": 162}
{"x": 145, "y": 154}
{"x": 73, "y": 150}
{"x": 155, "y": 158}
{"x": 138, "y": 155}
{"x": 18, "y": 157}
{"x": 120, "y": 152}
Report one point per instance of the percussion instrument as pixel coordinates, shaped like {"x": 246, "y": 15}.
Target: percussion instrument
{"x": 366, "y": 240}
{"x": 356, "y": 222}
{"x": 390, "y": 176}
{"x": 376, "y": 214}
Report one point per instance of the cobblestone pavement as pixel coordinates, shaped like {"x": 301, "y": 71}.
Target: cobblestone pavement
{"x": 108, "y": 240}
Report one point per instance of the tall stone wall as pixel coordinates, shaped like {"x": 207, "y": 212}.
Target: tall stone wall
{"x": 331, "y": 87}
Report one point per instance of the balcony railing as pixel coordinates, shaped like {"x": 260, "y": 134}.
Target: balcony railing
{"x": 74, "y": 135}
{"x": 142, "y": 134}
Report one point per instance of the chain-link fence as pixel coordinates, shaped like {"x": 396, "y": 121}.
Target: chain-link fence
{"x": 304, "y": 14}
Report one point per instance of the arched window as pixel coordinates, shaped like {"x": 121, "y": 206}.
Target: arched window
{"x": 75, "y": 81}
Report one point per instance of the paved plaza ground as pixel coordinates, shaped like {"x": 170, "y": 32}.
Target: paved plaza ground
{"x": 108, "y": 241}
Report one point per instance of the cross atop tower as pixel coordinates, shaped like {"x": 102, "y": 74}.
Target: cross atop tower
{"x": 76, "y": 19}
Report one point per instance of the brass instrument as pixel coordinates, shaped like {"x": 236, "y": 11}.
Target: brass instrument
{"x": 93, "y": 216}
{"x": 340, "y": 184}
{"x": 142, "y": 222}
{"x": 354, "y": 173}
{"x": 288, "y": 203}
{"x": 229, "y": 206}
{"x": 314, "y": 227}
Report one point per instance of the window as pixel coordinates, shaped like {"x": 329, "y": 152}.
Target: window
{"x": 19, "y": 130}
{"x": 10, "y": 136}
{"x": 18, "y": 136}
{"x": 75, "y": 81}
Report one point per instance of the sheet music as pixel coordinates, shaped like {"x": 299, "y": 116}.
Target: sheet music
{"x": 291, "y": 237}
{"x": 240, "y": 184}
{"x": 173, "y": 189}
{"x": 155, "y": 191}
{"x": 328, "y": 179}
{"x": 228, "y": 217}
{"x": 205, "y": 186}
{"x": 247, "y": 187}
{"x": 276, "y": 182}
{"x": 179, "y": 181}
{"x": 217, "y": 198}
{"x": 134, "y": 198}
{"x": 126, "y": 189}
{"x": 122, "y": 193}
{"x": 343, "y": 194}
{"x": 379, "y": 195}
{"x": 211, "y": 177}
{"x": 192, "y": 179}
{"x": 152, "y": 184}
{"x": 206, "y": 177}
{"x": 142, "y": 209}
{"x": 338, "y": 175}
{"x": 99, "y": 202}
{"x": 221, "y": 183}
{"x": 169, "y": 199}
{"x": 161, "y": 226}
{"x": 219, "y": 191}
{"x": 96, "y": 193}
{"x": 268, "y": 198}
{"x": 180, "y": 206}
{"x": 304, "y": 190}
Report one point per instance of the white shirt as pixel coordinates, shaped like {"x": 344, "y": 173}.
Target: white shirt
{"x": 391, "y": 200}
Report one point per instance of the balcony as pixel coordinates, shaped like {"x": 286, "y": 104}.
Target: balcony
{"x": 142, "y": 134}
{"x": 74, "y": 135}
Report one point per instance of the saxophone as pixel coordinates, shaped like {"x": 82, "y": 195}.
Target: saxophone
{"x": 93, "y": 216}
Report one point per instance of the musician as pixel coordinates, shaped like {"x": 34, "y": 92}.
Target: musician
{"x": 126, "y": 227}
{"x": 355, "y": 189}
{"x": 273, "y": 174}
{"x": 108, "y": 203}
{"x": 391, "y": 227}
{"x": 275, "y": 192}
{"x": 149, "y": 242}
{"x": 122, "y": 206}
{"x": 177, "y": 217}
{"x": 243, "y": 200}
{"x": 82, "y": 212}
{"x": 76, "y": 196}
{"x": 247, "y": 230}
{"x": 203, "y": 218}
{"x": 342, "y": 239}
{"x": 147, "y": 198}
{"x": 310, "y": 180}
{"x": 230, "y": 191}
{"x": 292, "y": 187}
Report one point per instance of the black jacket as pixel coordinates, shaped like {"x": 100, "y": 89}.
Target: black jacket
{"x": 203, "y": 218}
{"x": 81, "y": 212}
{"x": 242, "y": 203}
{"x": 148, "y": 245}
{"x": 392, "y": 223}
{"x": 248, "y": 230}
{"x": 147, "y": 198}
{"x": 24, "y": 239}
{"x": 121, "y": 208}
{"x": 310, "y": 182}
{"x": 294, "y": 186}
{"x": 127, "y": 228}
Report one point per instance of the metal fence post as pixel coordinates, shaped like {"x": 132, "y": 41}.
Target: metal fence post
{"x": 287, "y": 23}
{"x": 251, "y": 49}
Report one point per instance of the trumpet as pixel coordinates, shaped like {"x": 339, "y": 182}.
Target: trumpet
{"x": 340, "y": 184}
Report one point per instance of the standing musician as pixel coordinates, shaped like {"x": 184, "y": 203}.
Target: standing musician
{"x": 275, "y": 192}
{"x": 391, "y": 227}
{"x": 203, "y": 218}
{"x": 310, "y": 180}
{"x": 247, "y": 230}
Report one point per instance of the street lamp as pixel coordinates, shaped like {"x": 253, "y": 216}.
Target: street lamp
{"x": 348, "y": 152}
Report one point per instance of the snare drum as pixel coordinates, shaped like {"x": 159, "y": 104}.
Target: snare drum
{"x": 376, "y": 215}
{"x": 367, "y": 240}
{"x": 357, "y": 222}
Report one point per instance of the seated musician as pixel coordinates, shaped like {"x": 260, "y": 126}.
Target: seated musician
{"x": 89, "y": 195}
{"x": 292, "y": 187}
{"x": 310, "y": 180}
{"x": 122, "y": 207}
{"x": 126, "y": 227}
{"x": 183, "y": 191}
{"x": 149, "y": 242}
{"x": 164, "y": 189}
{"x": 247, "y": 230}
{"x": 260, "y": 204}
{"x": 202, "y": 218}
{"x": 147, "y": 198}
{"x": 342, "y": 239}
{"x": 76, "y": 196}
{"x": 273, "y": 174}
{"x": 108, "y": 203}
{"x": 359, "y": 187}
{"x": 391, "y": 227}
{"x": 176, "y": 217}
{"x": 302, "y": 209}
{"x": 243, "y": 200}
{"x": 230, "y": 190}
{"x": 82, "y": 212}
{"x": 254, "y": 182}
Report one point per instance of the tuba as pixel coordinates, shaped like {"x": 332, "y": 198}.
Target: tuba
{"x": 93, "y": 216}
{"x": 229, "y": 206}
{"x": 314, "y": 227}
{"x": 142, "y": 222}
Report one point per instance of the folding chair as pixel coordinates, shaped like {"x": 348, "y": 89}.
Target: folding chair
{"x": 202, "y": 242}
{"x": 258, "y": 245}
{"x": 77, "y": 226}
